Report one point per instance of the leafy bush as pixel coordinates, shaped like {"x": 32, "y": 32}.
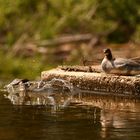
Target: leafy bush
{"x": 42, "y": 19}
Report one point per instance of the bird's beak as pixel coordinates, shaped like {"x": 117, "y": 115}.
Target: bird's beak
{"x": 106, "y": 53}
{"x": 104, "y": 50}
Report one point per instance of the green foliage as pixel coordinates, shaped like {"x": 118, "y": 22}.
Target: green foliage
{"x": 23, "y": 68}
{"x": 126, "y": 15}
{"x": 48, "y": 18}
{"x": 43, "y": 19}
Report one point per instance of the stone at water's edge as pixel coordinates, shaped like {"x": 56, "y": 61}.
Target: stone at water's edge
{"x": 128, "y": 86}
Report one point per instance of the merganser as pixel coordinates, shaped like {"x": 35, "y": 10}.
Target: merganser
{"x": 119, "y": 66}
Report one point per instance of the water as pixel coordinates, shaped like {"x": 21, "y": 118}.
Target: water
{"x": 112, "y": 119}
{"x": 56, "y": 92}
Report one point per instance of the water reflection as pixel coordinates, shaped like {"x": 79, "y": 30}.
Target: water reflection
{"x": 56, "y": 92}
{"x": 77, "y": 121}
{"x": 119, "y": 117}
{"x": 86, "y": 117}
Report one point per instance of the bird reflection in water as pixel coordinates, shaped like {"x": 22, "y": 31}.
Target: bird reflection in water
{"x": 54, "y": 92}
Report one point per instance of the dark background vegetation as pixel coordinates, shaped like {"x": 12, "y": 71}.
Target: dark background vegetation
{"x": 26, "y": 26}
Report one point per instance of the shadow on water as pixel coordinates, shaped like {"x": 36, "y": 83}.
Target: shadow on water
{"x": 86, "y": 117}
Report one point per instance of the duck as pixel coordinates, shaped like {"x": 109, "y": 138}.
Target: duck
{"x": 119, "y": 66}
{"x": 17, "y": 81}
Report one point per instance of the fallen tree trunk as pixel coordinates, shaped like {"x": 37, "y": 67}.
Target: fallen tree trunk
{"x": 98, "y": 83}
{"x": 92, "y": 39}
{"x": 67, "y": 39}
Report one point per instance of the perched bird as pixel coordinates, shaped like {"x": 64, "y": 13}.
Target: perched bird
{"x": 119, "y": 66}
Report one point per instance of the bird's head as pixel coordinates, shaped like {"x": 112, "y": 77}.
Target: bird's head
{"x": 108, "y": 54}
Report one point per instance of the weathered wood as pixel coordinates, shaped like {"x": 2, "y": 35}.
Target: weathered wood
{"x": 98, "y": 83}
{"x": 67, "y": 39}
{"x": 78, "y": 68}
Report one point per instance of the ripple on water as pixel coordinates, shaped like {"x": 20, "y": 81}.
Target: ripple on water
{"x": 86, "y": 117}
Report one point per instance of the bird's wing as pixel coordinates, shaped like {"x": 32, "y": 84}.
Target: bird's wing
{"x": 121, "y": 62}
{"x": 136, "y": 59}
{"x": 126, "y": 66}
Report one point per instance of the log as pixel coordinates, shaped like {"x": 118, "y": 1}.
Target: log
{"x": 98, "y": 83}
{"x": 95, "y": 68}
{"x": 67, "y": 39}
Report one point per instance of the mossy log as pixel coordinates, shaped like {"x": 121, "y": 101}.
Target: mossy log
{"x": 96, "y": 81}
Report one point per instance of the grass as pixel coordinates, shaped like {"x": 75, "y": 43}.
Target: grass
{"x": 12, "y": 67}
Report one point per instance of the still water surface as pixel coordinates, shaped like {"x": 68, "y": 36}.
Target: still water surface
{"x": 72, "y": 123}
